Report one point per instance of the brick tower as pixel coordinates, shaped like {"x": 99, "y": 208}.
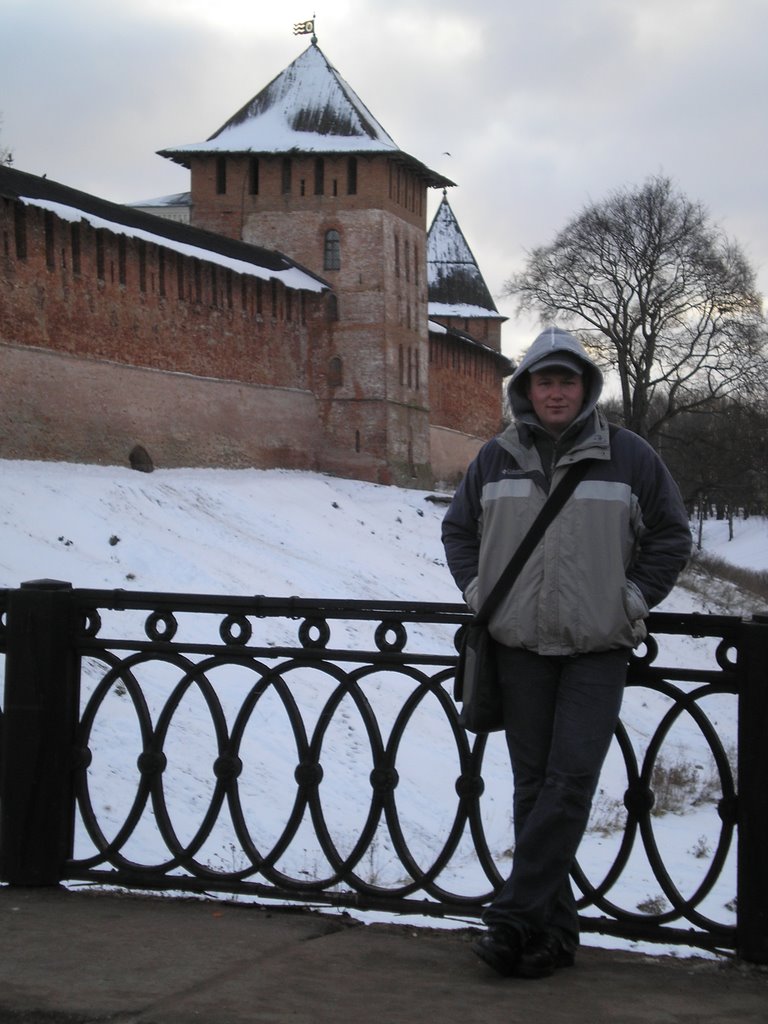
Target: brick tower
{"x": 305, "y": 168}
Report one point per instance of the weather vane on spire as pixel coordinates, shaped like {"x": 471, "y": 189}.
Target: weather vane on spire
{"x": 305, "y": 28}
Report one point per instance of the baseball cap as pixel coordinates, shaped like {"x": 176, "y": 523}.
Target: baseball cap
{"x": 559, "y": 360}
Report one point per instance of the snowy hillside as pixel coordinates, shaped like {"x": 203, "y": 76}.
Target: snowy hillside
{"x": 281, "y": 533}
{"x": 221, "y": 532}
{"x": 270, "y": 532}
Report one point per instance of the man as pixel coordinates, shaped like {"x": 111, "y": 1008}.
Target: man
{"x": 565, "y": 631}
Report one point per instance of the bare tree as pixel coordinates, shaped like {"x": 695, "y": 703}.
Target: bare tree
{"x": 659, "y": 295}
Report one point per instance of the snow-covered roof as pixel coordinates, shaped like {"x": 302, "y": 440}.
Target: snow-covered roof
{"x": 175, "y": 199}
{"x": 456, "y": 286}
{"x": 462, "y": 309}
{"x": 307, "y": 108}
{"x": 240, "y": 257}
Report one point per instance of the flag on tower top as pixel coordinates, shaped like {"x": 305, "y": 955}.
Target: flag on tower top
{"x": 303, "y": 28}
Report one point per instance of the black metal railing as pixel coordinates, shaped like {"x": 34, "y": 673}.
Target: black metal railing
{"x": 309, "y": 750}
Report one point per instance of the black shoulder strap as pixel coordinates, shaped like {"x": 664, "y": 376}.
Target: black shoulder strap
{"x": 551, "y": 507}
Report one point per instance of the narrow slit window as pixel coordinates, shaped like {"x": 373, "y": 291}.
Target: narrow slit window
{"x": 75, "y": 241}
{"x": 100, "y": 256}
{"x": 122, "y": 259}
{"x": 253, "y": 176}
{"x": 20, "y": 230}
{"x": 50, "y": 243}
{"x": 352, "y": 176}
{"x": 198, "y": 280}
{"x": 221, "y": 175}
{"x": 142, "y": 266}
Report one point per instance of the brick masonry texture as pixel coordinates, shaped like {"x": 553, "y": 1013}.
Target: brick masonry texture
{"x": 107, "y": 341}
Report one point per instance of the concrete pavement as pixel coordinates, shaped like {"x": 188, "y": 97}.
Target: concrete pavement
{"x": 93, "y": 958}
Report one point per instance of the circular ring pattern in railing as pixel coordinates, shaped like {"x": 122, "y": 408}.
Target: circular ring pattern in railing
{"x": 161, "y": 626}
{"x": 458, "y": 636}
{"x": 373, "y": 747}
{"x": 726, "y": 655}
{"x": 383, "y": 633}
{"x": 314, "y": 633}
{"x": 646, "y": 652}
{"x": 236, "y": 630}
{"x": 91, "y": 622}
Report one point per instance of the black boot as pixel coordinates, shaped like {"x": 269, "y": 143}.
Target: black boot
{"x": 500, "y": 948}
{"x": 541, "y": 955}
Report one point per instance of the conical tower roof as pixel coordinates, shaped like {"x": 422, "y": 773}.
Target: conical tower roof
{"x": 456, "y": 286}
{"x": 307, "y": 108}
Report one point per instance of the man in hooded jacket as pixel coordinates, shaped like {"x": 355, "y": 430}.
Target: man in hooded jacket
{"x": 565, "y": 631}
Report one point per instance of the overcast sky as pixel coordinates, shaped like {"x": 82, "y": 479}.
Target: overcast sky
{"x": 533, "y": 109}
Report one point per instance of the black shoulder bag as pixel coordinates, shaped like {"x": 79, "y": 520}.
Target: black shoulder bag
{"x": 476, "y": 684}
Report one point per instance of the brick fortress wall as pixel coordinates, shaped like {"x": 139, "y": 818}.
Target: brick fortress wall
{"x": 108, "y": 342}
{"x": 464, "y": 386}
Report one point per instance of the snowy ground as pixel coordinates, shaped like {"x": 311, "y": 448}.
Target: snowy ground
{"x": 281, "y": 533}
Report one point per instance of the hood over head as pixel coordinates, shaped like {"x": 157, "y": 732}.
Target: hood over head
{"x": 552, "y": 348}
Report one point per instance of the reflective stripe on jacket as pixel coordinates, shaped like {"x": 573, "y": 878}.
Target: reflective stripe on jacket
{"x": 614, "y": 550}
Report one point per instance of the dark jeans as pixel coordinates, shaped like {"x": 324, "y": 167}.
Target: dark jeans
{"x": 560, "y": 715}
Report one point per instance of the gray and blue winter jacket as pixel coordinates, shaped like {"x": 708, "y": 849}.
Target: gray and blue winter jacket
{"x": 613, "y": 552}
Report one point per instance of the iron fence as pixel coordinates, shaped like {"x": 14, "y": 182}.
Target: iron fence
{"x": 309, "y": 751}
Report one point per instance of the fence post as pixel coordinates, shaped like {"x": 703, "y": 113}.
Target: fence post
{"x": 39, "y": 719}
{"x": 752, "y": 858}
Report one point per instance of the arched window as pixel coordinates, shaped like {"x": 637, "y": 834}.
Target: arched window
{"x": 335, "y": 372}
{"x": 332, "y": 253}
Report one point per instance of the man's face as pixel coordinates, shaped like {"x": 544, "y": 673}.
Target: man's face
{"x": 557, "y": 397}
